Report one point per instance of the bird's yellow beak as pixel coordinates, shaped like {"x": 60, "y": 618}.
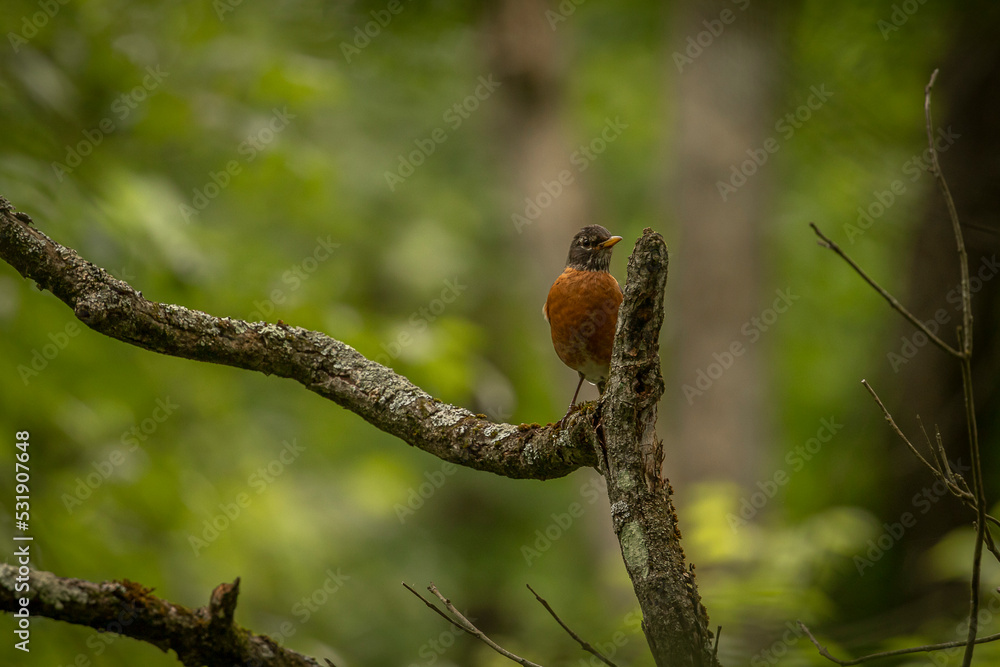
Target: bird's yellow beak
{"x": 610, "y": 242}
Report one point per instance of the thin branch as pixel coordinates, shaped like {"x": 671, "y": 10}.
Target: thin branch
{"x": 888, "y": 654}
{"x": 826, "y": 242}
{"x": 899, "y": 432}
{"x": 977, "y": 476}
{"x": 942, "y": 471}
{"x": 955, "y": 482}
{"x": 434, "y": 607}
{"x": 966, "y": 362}
{"x": 990, "y": 542}
{"x": 960, "y": 481}
{"x": 464, "y": 624}
{"x": 477, "y": 633}
{"x": 320, "y": 363}
{"x": 202, "y": 636}
{"x": 937, "y": 452}
{"x": 584, "y": 645}
{"x": 963, "y": 256}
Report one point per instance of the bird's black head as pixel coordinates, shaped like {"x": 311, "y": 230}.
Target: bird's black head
{"x": 591, "y": 249}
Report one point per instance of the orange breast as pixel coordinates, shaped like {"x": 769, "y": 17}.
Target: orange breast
{"x": 582, "y": 310}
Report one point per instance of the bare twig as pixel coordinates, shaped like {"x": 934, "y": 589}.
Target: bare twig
{"x": 902, "y": 436}
{"x": 966, "y": 363}
{"x": 888, "y": 654}
{"x": 975, "y": 498}
{"x": 963, "y": 256}
{"x": 937, "y": 452}
{"x": 434, "y": 607}
{"x": 826, "y": 242}
{"x": 960, "y": 488}
{"x": 584, "y": 645}
{"x": 464, "y": 624}
{"x": 476, "y": 632}
{"x": 942, "y": 470}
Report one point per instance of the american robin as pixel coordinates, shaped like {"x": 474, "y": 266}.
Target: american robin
{"x": 582, "y": 307}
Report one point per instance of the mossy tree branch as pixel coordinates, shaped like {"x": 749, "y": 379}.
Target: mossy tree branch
{"x": 203, "y": 636}
{"x": 320, "y": 363}
{"x": 618, "y": 438}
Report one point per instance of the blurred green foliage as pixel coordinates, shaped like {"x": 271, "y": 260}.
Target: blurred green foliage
{"x": 231, "y": 157}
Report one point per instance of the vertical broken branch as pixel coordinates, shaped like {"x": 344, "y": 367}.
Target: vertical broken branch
{"x": 642, "y": 513}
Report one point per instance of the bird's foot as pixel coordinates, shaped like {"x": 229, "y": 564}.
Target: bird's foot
{"x": 569, "y": 410}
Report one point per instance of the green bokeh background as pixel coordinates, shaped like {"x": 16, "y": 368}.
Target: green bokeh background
{"x": 306, "y": 229}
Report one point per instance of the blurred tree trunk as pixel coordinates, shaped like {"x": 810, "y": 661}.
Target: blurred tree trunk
{"x": 522, "y": 49}
{"x": 519, "y": 50}
{"x": 724, "y": 99}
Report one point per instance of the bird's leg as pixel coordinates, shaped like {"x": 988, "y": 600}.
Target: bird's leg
{"x": 573, "y": 402}
{"x": 576, "y": 393}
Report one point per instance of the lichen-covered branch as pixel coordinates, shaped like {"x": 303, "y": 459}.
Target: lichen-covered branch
{"x": 203, "y": 636}
{"x": 619, "y": 438}
{"x": 320, "y": 363}
{"x": 674, "y": 620}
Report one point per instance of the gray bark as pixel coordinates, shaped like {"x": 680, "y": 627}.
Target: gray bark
{"x": 674, "y": 620}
